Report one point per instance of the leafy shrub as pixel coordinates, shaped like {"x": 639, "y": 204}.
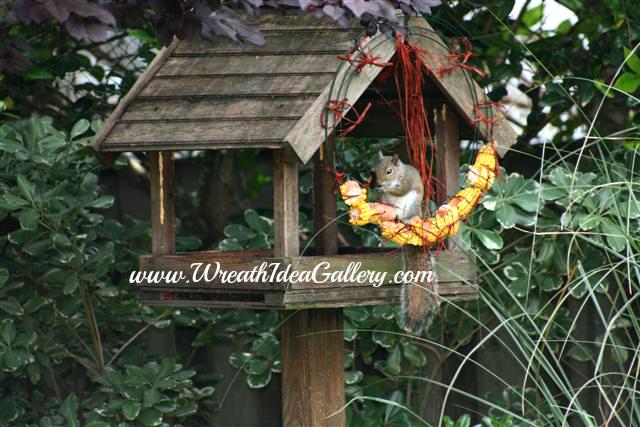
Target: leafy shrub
{"x": 69, "y": 347}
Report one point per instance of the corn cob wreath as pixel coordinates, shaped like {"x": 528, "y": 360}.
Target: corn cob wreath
{"x": 418, "y": 231}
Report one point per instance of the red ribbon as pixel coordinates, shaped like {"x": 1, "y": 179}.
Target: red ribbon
{"x": 365, "y": 58}
{"x": 460, "y": 58}
{"x": 339, "y": 109}
{"x": 481, "y": 117}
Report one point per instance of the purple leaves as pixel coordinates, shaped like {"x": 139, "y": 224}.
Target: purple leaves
{"x": 382, "y": 8}
{"x": 12, "y": 60}
{"x": 81, "y": 19}
{"x": 93, "y": 19}
{"x": 58, "y": 9}
{"x": 338, "y": 14}
{"x": 92, "y": 10}
{"x": 425, "y": 6}
{"x": 29, "y": 11}
{"x": 227, "y": 23}
{"x": 375, "y": 15}
{"x": 250, "y": 6}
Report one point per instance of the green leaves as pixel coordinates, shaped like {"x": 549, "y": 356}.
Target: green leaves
{"x": 614, "y": 235}
{"x": 533, "y": 16}
{"x": 71, "y": 284}
{"x": 8, "y": 410}
{"x": 29, "y": 219}
{"x": 259, "y": 364}
{"x": 12, "y": 307}
{"x": 579, "y": 353}
{"x": 131, "y": 410}
{"x": 147, "y": 394}
{"x": 488, "y": 238}
{"x": 79, "y": 128}
{"x": 521, "y": 283}
{"x": 150, "y": 417}
{"x": 633, "y": 61}
{"x": 414, "y": 354}
{"x": 566, "y": 186}
{"x": 69, "y": 410}
{"x": 598, "y": 210}
{"x": 16, "y": 349}
{"x": 11, "y": 202}
{"x": 463, "y": 421}
{"x": 258, "y": 223}
{"x": 55, "y": 241}
{"x": 26, "y": 188}
{"x": 628, "y": 82}
{"x": 258, "y": 234}
{"x": 7, "y": 332}
{"x": 353, "y": 377}
{"x": 514, "y": 200}
{"x": 103, "y": 202}
{"x": 38, "y": 73}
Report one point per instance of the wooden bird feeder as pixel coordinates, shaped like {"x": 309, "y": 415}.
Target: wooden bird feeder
{"x": 199, "y": 95}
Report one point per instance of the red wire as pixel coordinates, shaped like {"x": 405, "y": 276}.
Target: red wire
{"x": 409, "y": 71}
{"x": 365, "y": 58}
{"x": 338, "y": 108}
{"x": 489, "y": 122}
{"x": 460, "y": 58}
{"x": 412, "y": 68}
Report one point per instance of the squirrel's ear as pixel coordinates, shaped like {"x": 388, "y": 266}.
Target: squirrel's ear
{"x": 395, "y": 159}
{"x": 380, "y": 155}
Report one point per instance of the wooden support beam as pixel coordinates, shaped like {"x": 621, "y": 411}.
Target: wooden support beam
{"x": 324, "y": 204}
{"x": 431, "y": 397}
{"x": 285, "y": 203}
{"x": 163, "y": 233}
{"x": 447, "y": 158}
{"x": 312, "y": 340}
{"x": 163, "y": 214}
{"x": 312, "y": 368}
{"x": 447, "y": 151}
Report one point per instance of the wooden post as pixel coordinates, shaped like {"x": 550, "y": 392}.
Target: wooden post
{"x": 447, "y": 157}
{"x": 447, "y": 172}
{"x": 163, "y": 232}
{"x": 324, "y": 205}
{"x": 285, "y": 203}
{"x": 163, "y": 213}
{"x": 312, "y": 340}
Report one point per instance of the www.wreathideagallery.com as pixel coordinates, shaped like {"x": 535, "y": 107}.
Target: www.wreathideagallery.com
{"x": 275, "y": 273}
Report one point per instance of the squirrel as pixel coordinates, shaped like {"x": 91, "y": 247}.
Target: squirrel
{"x": 401, "y": 186}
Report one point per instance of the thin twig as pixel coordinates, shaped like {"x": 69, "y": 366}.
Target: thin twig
{"x": 136, "y": 335}
{"x": 54, "y": 382}
{"x": 93, "y": 325}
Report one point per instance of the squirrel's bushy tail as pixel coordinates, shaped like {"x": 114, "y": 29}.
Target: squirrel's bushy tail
{"x": 419, "y": 304}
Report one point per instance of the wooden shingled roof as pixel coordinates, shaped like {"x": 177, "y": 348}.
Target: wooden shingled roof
{"x": 201, "y": 95}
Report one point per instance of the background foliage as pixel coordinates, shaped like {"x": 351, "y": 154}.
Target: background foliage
{"x": 556, "y": 239}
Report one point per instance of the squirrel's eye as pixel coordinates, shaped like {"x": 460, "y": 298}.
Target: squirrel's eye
{"x": 389, "y": 170}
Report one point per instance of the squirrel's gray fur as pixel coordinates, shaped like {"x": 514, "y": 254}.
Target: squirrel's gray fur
{"x": 401, "y": 186}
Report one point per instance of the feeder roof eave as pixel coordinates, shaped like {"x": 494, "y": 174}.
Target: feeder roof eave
{"x": 137, "y": 87}
{"x": 197, "y": 95}
{"x": 201, "y": 95}
{"x": 308, "y": 134}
